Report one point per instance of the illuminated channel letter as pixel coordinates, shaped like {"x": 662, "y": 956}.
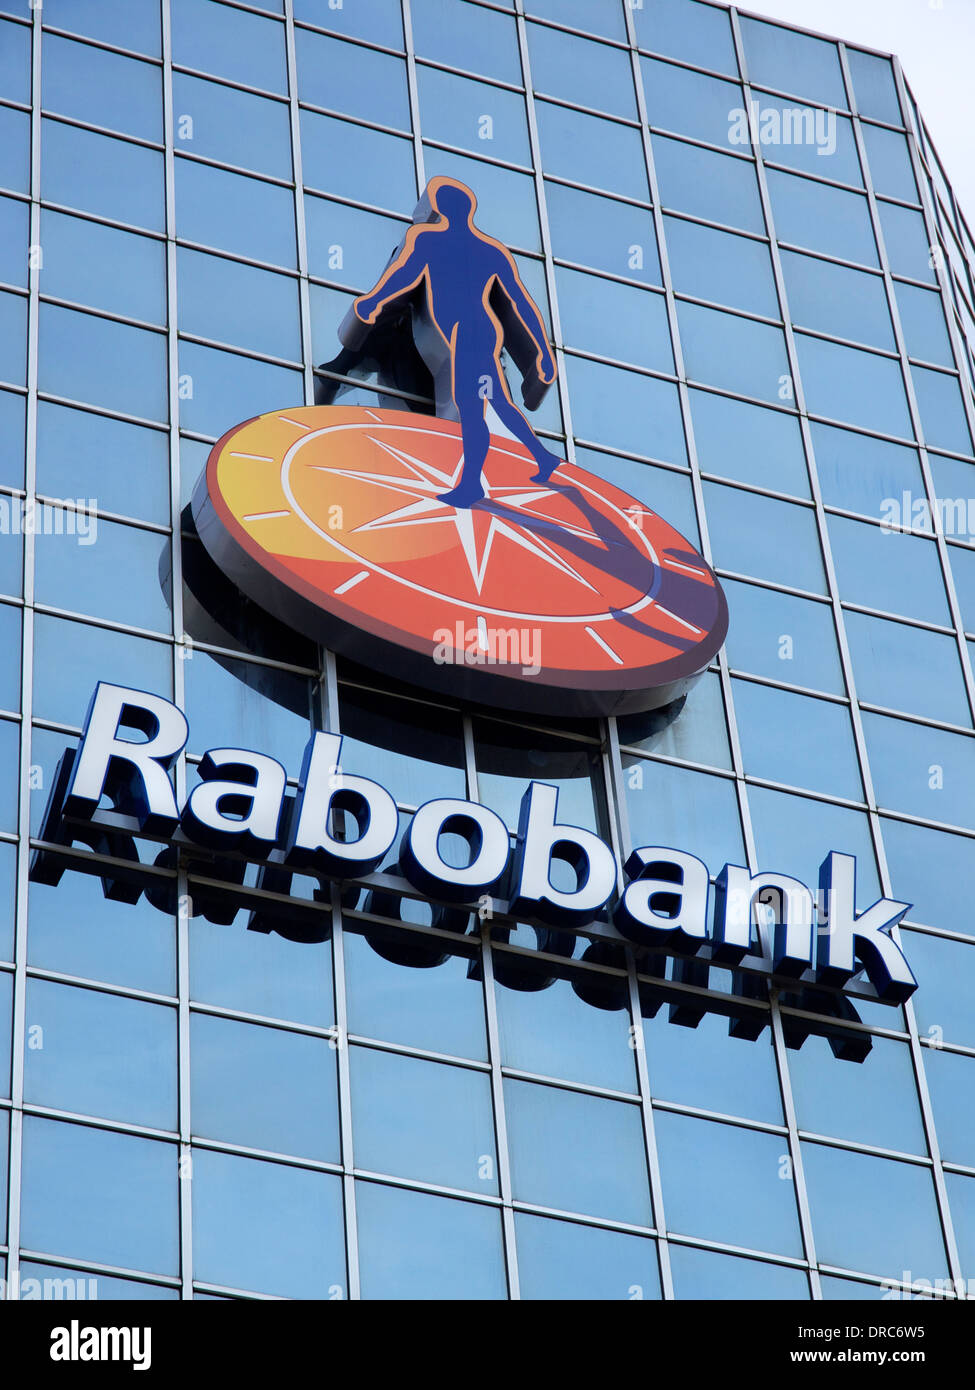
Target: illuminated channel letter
{"x": 326, "y": 790}
{"x": 540, "y": 840}
{"x": 238, "y": 802}
{"x": 850, "y": 938}
{"x": 485, "y": 835}
{"x": 666, "y": 904}
{"x": 790, "y": 903}
{"x": 134, "y": 773}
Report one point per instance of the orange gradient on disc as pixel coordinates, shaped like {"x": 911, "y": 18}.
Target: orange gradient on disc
{"x": 339, "y": 507}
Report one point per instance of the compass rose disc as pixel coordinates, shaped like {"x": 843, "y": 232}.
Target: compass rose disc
{"x": 568, "y": 597}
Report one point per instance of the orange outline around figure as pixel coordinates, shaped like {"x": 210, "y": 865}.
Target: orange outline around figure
{"x": 460, "y": 266}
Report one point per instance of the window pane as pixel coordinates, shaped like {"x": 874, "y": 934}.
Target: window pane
{"x": 749, "y": 443}
{"x": 923, "y": 321}
{"x": 440, "y": 1009}
{"x": 380, "y": 21}
{"x": 943, "y": 1002}
{"x": 14, "y": 149}
{"x": 577, "y": 70}
{"x": 873, "y": 1102}
{"x": 698, "y": 34}
{"x": 674, "y": 806}
{"x": 553, "y": 1032}
{"x": 793, "y": 62}
{"x": 808, "y": 138}
{"x": 707, "y": 184}
{"x": 794, "y": 834}
{"x": 85, "y": 578}
{"x": 907, "y": 242}
{"x": 823, "y": 219}
{"x": 698, "y": 735}
{"x": 822, "y": 759}
{"x": 862, "y": 474}
{"x": 890, "y": 163}
{"x": 351, "y": 79}
{"x": 354, "y": 162}
{"x": 615, "y": 320}
{"x": 414, "y": 1245}
{"x": 605, "y": 20}
{"x": 238, "y": 304}
{"x": 925, "y": 772}
{"x": 231, "y": 126}
{"x": 695, "y": 1159}
{"x": 264, "y": 1088}
{"x": 890, "y": 571}
{"x": 739, "y": 523}
{"x": 849, "y": 384}
{"x": 873, "y": 82}
{"x": 603, "y": 410}
{"x": 846, "y": 1228}
{"x": 103, "y": 363}
{"x": 688, "y": 103}
{"x": 506, "y": 203}
{"x": 90, "y": 1194}
{"x": 732, "y": 352}
{"x": 483, "y": 119}
{"x": 292, "y": 1243}
{"x": 71, "y": 658}
{"x": 587, "y": 149}
{"x": 102, "y": 88}
{"x": 782, "y": 637}
{"x": 576, "y": 1152}
{"x": 700, "y": 1274}
{"x": 926, "y": 866}
{"x": 227, "y": 388}
{"x": 713, "y": 265}
{"x": 906, "y": 668}
{"x": 12, "y": 439}
{"x": 103, "y": 268}
{"x": 949, "y": 1077}
{"x": 97, "y": 174}
{"x": 845, "y": 303}
{"x": 134, "y": 24}
{"x": 565, "y": 1260}
{"x": 602, "y": 233}
{"x": 235, "y": 213}
{"x": 13, "y": 338}
{"x": 942, "y": 411}
{"x": 81, "y": 1065}
{"x": 239, "y": 46}
{"x": 707, "y": 1067}
{"x": 348, "y": 244}
{"x": 14, "y": 233}
{"x": 467, "y": 36}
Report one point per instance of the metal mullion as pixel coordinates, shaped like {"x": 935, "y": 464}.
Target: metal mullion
{"x": 15, "y": 1164}
{"x": 327, "y": 717}
{"x": 304, "y": 292}
{"x": 414, "y": 95}
{"x": 917, "y": 1060}
{"x": 179, "y": 653}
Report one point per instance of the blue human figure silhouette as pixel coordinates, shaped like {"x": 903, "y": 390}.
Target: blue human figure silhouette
{"x": 459, "y": 267}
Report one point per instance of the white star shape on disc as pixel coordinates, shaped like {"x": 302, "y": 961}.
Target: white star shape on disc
{"x": 422, "y": 481}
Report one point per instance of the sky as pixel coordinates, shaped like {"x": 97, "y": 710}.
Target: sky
{"x": 935, "y": 41}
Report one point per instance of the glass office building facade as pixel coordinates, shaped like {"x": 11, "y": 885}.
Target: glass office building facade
{"x": 760, "y": 293}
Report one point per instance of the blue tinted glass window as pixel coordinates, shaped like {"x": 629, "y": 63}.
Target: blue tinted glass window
{"x": 873, "y": 83}
{"x": 12, "y": 439}
{"x": 354, "y": 162}
{"x": 292, "y": 1242}
{"x": 707, "y": 1067}
{"x": 577, "y": 1152}
{"x": 689, "y": 103}
{"x": 413, "y": 749}
{"x": 566, "y": 1260}
{"x": 13, "y": 338}
{"x": 732, "y": 352}
{"x": 97, "y": 174}
{"x": 235, "y": 213}
{"x": 695, "y": 1158}
{"x": 9, "y": 752}
{"x": 122, "y": 943}
{"x": 90, "y": 1194}
{"x": 103, "y": 363}
{"x": 846, "y": 1228}
{"x": 230, "y": 43}
{"x": 923, "y": 771}
{"x": 423, "y": 1120}
{"x": 553, "y": 1032}
{"x": 961, "y": 1191}
{"x": 477, "y": 117}
{"x": 14, "y": 149}
{"x": 626, "y": 411}
{"x": 669, "y": 489}
{"x": 227, "y": 388}
{"x": 822, "y": 759}
{"x": 60, "y": 1280}
{"x": 6, "y": 1026}
{"x": 380, "y": 21}
{"x": 829, "y": 220}
{"x": 794, "y": 834}
{"x": 264, "y": 1088}
{"x": 672, "y": 805}
{"x": 246, "y": 704}
{"x": 80, "y": 1065}
{"x": 943, "y": 1000}
{"x": 698, "y": 34}
{"x": 848, "y": 384}
{"x": 808, "y": 138}
{"x": 890, "y": 163}
{"x": 602, "y": 233}
{"x": 506, "y": 203}
{"x": 348, "y": 244}
{"x": 923, "y": 321}
{"x": 942, "y": 411}
{"x": 907, "y": 668}
{"x": 873, "y": 1102}
{"x": 950, "y": 1079}
{"x": 10, "y": 634}
{"x": 467, "y": 36}
{"x": 782, "y": 637}
{"x": 238, "y": 304}
{"x": 351, "y": 79}
{"x": 732, "y": 270}
{"x": 12, "y": 563}
{"x": 85, "y": 578}
{"x": 588, "y": 149}
{"x": 749, "y": 443}
{"x": 234, "y": 127}
{"x": 738, "y": 520}
{"x": 606, "y": 20}
{"x": 261, "y": 972}
{"x": 70, "y": 658}
{"x": 831, "y": 298}
{"x": 14, "y": 232}
{"x": 132, "y": 24}
{"x": 415, "y": 1245}
{"x": 926, "y": 867}
{"x": 862, "y": 474}
{"x": 907, "y": 242}
{"x": 577, "y": 70}
{"x": 888, "y": 570}
{"x": 707, "y": 184}
{"x": 615, "y": 320}
{"x": 701, "y": 1274}
{"x": 793, "y": 62}
{"x": 8, "y": 888}
{"x": 103, "y": 268}
{"x": 102, "y": 88}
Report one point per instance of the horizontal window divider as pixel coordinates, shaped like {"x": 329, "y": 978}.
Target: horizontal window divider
{"x": 751, "y": 779}
{"x": 379, "y": 126}
{"x": 891, "y": 354}
{"x": 598, "y": 111}
{"x": 598, "y": 274}
{"x": 743, "y": 1252}
{"x": 291, "y": 362}
{"x": 924, "y": 624}
{"x": 432, "y": 1189}
{"x": 683, "y": 298}
{"x": 873, "y": 1030}
{"x": 103, "y": 410}
{"x": 228, "y": 168}
{"x": 789, "y": 686}
{"x": 833, "y": 1141}
{"x": 58, "y": 31}
{"x": 247, "y": 658}
{"x": 898, "y": 202}
{"x": 9, "y": 287}
{"x": 49, "y": 610}
{"x": 115, "y": 1126}
{"x": 373, "y": 387}
{"x": 915, "y": 718}
{"x": 643, "y": 204}
{"x": 122, "y": 518}
{"x": 794, "y": 498}
{"x": 700, "y": 1112}
{"x": 108, "y": 314}
{"x": 218, "y": 80}
{"x": 562, "y": 1083}
{"x": 62, "y": 977}
{"x": 544, "y": 21}
{"x": 203, "y": 248}
{"x": 223, "y": 1146}
{"x": 877, "y": 1280}
{"x": 670, "y": 134}
{"x": 957, "y": 1049}
{"x": 397, "y": 216}
{"x": 422, "y": 1054}
{"x": 601, "y": 1223}
{"x": 815, "y": 419}
{"x": 587, "y": 356}
{"x": 484, "y": 79}
{"x": 831, "y": 509}
{"x": 48, "y": 1257}
{"x": 134, "y": 229}
{"x": 773, "y": 584}
{"x": 483, "y": 158}
{"x": 815, "y": 178}
{"x": 157, "y": 145}
{"x": 745, "y": 233}
{"x": 673, "y": 760}
{"x": 615, "y": 452}
{"x": 232, "y": 1291}
{"x": 353, "y": 39}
